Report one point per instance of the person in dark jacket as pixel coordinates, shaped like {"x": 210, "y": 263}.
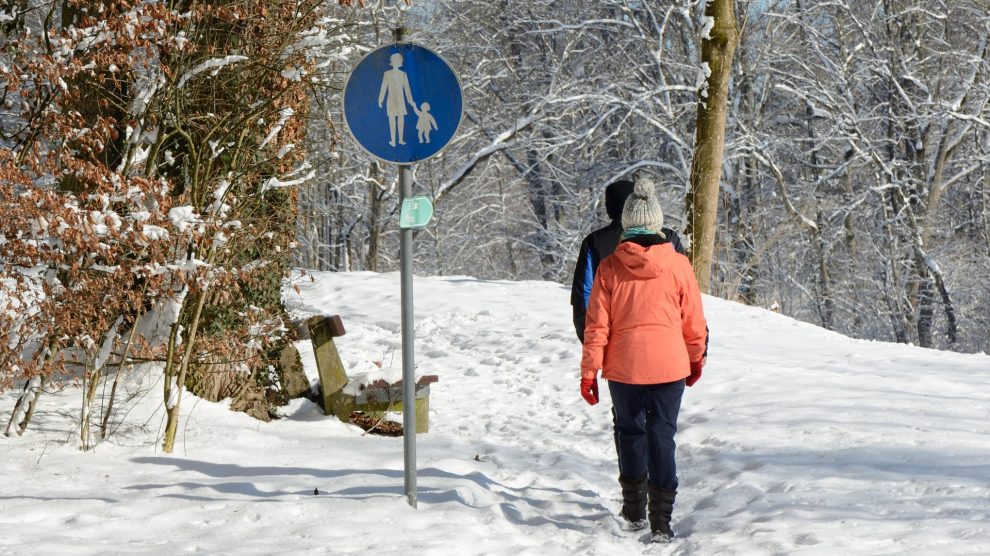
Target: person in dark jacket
{"x": 601, "y": 243}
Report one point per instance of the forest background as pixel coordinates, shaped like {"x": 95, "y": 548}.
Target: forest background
{"x": 854, "y": 191}
{"x": 165, "y": 164}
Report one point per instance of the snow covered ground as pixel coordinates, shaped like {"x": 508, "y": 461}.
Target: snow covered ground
{"x": 795, "y": 441}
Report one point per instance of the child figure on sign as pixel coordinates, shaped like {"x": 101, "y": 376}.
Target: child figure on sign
{"x": 425, "y": 123}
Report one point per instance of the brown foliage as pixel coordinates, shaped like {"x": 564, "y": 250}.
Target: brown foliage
{"x": 144, "y": 167}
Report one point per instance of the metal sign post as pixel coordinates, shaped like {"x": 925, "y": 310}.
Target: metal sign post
{"x": 408, "y": 337}
{"x": 403, "y": 104}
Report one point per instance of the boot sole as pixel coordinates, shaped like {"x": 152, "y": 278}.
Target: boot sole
{"x": 661, "y": 538}
{"x": 635, "y": 525}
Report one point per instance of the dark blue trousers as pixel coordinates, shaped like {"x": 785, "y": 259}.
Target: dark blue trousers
{"x": 644, "y": 421}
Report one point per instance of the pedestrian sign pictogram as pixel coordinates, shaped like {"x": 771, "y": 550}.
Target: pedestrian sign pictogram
{"x": 402, "y": 103}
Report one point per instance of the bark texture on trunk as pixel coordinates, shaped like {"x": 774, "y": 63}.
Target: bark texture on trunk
{"x": 717, "y": 51}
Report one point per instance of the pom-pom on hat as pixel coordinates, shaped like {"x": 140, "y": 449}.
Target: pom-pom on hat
{"x": 642, "y": 209}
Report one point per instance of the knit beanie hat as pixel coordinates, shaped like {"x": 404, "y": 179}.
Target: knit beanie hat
{"x": 642, "y": 208}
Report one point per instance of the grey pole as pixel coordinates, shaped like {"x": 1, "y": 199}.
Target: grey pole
{"x": 408, "y": 335}
{"x": 408, "y": 332}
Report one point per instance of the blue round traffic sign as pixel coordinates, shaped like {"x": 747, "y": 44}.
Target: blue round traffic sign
{"x": 402, "y": 103}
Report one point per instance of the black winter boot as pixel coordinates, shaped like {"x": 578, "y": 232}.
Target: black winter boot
{"x": 661, "y": 507}
{"x": 634, "y": 502}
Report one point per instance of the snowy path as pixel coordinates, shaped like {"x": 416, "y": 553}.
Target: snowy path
{"x": 796, "y": 441}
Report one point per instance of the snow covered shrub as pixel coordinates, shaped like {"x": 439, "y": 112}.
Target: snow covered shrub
{"x": 146, "y": 182}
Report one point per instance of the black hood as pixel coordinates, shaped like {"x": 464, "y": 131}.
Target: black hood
{"x": 615, "y": 198}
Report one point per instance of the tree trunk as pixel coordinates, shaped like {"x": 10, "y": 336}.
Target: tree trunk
{"x": 24, "y": 408}
{"x": 539, "y": 192}
{"x": 374, "y": 216}
{"x": 706, "y": 168}
{"x": 172, "y": 407}
{"x": 826, "y": 304}
{"x": 116, "y": 379}
{"x": 740, "y": 215}
{"x": 91, "y": 379}
{"x": 20, "y": 417}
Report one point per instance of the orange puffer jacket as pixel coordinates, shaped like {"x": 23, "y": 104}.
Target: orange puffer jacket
{"x": 645, "y": 322}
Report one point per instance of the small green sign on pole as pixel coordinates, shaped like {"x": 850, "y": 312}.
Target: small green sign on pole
{"x": 415, "y": 213}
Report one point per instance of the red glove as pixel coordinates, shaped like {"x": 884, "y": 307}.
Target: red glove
{"x": 589, "y": 390}
{"x": 695, "y": 372}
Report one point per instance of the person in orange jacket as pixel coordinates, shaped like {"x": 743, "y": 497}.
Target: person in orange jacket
{"x": 646, "y": 332}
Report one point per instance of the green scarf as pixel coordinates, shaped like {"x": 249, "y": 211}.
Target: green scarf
{"x": 639, "y": 231}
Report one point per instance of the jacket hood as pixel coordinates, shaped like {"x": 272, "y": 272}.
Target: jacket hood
{"x": 615, "y": 197}
{"x": 644, "y": 261}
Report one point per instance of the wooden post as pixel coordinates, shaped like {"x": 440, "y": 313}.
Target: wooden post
{"x": 333, "y": 378}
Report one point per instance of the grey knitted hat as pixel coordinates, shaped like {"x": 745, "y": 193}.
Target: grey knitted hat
{"x": 642, "y": 209}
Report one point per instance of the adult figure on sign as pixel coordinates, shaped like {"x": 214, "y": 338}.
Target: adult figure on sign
{"x": 395, "y": 85}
